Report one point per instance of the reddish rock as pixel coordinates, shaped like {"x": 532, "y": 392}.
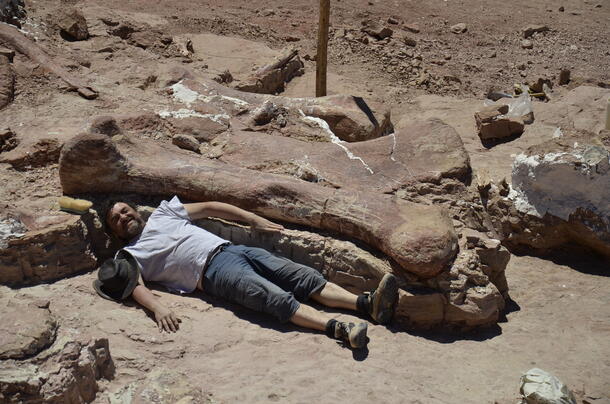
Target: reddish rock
{"x": 376, "y": 29}
{"x": 419, "y": 238}
{"x": 50, "y": 253}
{"x": 186, "y": 142}
{"x": 421, "y": 151}
{"x": 73, "y": 25}
{"x": 493, "y": 124}
{"x": 23, "y": 336}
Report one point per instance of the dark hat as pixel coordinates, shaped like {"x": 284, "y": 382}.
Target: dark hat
{"x": 118, "y": 277}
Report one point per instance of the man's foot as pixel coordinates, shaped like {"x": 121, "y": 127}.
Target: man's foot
{"x": 380, "y": 303}
{"x": 354, "y": 335}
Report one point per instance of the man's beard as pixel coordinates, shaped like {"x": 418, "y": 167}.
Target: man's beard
{"x": 134, "y": 228}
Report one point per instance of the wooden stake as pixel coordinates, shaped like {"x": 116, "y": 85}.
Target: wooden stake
{"x": 321, "y": 54}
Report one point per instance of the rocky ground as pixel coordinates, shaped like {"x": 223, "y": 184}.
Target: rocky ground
{"x": 126, "y": 70}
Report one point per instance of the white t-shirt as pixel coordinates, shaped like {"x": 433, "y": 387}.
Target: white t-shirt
{"x": 172, "y": 251}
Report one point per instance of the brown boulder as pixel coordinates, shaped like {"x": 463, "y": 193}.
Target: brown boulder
{"x": 52, "y": 248}
{"x": 493, "y": 124}
{"x": 23, "y": 336}
{"x": 73, "y": 26}
{"x": 420, "y": 238}
{"x": 559, "y": 196}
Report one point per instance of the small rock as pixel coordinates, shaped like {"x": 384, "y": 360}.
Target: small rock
{"x": 73, "y": 26}
{"x": 8, "y": 140}
{"x": 562, "y": 9}
{"x": 187, "y": 142}
{"x": 411, "y": 28}
{"x": 223, "y": 78}
{"x": 532, "y": 29}
{"x": 459, "y": 28}
{"x": 564, "y": 76}
{"x": 376, "y": 30}
{"x": 291, "y": 38}
{"x": 392, "y": 20}
{"x": 409, "y": 41}
{"x": 527, "y": 44}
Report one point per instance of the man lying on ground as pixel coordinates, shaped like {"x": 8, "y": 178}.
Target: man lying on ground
{"x": 170, "y": 250}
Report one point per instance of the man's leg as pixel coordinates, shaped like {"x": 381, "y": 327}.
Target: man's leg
{"x": 333, "y": 295}
{"x": 352, "y": 334}
{"x": 308, "y": 317}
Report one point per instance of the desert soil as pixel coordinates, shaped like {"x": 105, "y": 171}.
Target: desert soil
{"x": 560, "y": 319}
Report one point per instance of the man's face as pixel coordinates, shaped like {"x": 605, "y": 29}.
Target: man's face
{"x": 124, "y": 221}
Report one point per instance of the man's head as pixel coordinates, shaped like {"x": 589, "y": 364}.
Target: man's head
{"x": 124, "y": 221}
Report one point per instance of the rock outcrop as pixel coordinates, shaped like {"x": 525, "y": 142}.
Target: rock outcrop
{"x": 350, "y": 118}
{"x": 560, "y": 193}
{"x": 39, "y": 364}
{"x": 47, "y": 248}
{"x": 419, "y": 238}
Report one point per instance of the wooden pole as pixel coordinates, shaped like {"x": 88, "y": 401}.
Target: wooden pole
{"x": 321, "y": 54}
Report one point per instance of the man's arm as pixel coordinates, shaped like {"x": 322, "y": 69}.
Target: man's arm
{"x": 165, "y": 318}
{"x": 225, "y": 211}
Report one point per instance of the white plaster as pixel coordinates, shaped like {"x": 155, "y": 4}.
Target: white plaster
{"x": 187, "y": 96}
{"x": 333, "y": 138}
{"x": 184, "y": 94}
{"x": 10, "y": 228}
{"x": 556, "y": 185}
{"x": 188, "y": 113}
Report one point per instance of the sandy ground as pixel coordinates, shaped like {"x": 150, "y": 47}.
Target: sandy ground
{"x": 560, "y": 322}
{"x": 560, "y": 319}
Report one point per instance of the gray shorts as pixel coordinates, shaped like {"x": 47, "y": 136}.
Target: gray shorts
{"x": 261, "y": 281}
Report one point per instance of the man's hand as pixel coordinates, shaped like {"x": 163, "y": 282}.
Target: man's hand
{"x": 166, "y": 320}
{"x": 260, "y": 223}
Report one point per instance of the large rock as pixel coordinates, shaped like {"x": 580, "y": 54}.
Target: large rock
{"x": 422, "y": 151}
{"x": 492, "y": 123}
{"x": 48, "y": 248}
{"x": 23, "y": 336}
{"x": 73, "y": 25}
{"x": 67, "y": 372}
{"x": 419, "y": 238}
{"x": 350, "y": 118}
{"x": 560, "y": 193}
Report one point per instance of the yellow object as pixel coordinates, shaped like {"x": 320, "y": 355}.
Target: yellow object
{"x": 78, "y": 206}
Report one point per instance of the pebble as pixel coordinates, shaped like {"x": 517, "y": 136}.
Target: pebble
{"x": 409, "y": 41}
{"x": 459, "y": 28}
{"x": 527, "y": 44}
